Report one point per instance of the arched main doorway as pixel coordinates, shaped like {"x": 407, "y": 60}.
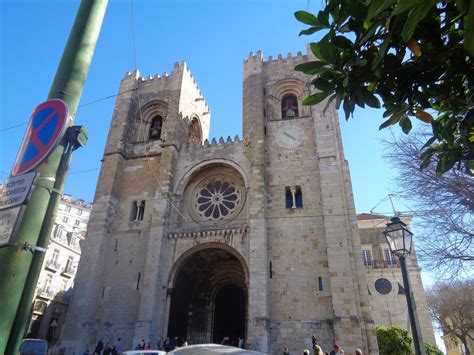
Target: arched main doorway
{"x": 208, "y": 298}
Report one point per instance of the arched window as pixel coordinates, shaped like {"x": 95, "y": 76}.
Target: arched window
{"x": 289, "y": 106}
{"x": 293, "y": 197}
{"x": 155, "y": 127}
{"x": 195, "y": 133}
{"x": 134, "y": 211}
{"x": 141, "y": 211}
{"x": 138, "y": 211}
{"x": 298, "y": 197}
{"x": 288, "y": 197}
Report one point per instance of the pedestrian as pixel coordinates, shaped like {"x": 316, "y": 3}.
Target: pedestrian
{"x": 241, "y": 343}
{"x": 305, "y": 352}
{"x": 336, "y": 350}
{"x": 159, "y": 345}
{"x": 317, "y": 350}
{"x": 140, "y": 345}
{"x": 167, "y": 344}
{"x": 286, "y": 351}
{"x": 359, "y": 352}
{"x": 119, "y": 346}
{"x": 86, "y": 352}
{"x": 107, "y": 349}
{"x": 98, "y": 348}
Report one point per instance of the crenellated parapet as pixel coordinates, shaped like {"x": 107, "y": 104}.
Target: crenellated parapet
{"x": 255, "y": 63}
{"x": 179, "y": 73}
{"x": 213, "y": 144}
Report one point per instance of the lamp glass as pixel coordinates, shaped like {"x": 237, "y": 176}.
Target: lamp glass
{"x": 399, "y": 238}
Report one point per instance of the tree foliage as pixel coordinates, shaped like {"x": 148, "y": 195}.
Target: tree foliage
{"x": 416, "y": 56}
{"x": 445, "y": 205}
{"x": 432, "y": 350}
{"x": 393, "y": 340}
{"x": 451, "y": 307}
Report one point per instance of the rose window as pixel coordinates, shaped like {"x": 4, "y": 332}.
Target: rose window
{"x": 217, "y": 200}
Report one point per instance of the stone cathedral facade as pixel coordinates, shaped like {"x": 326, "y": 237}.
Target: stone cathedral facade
{"x": 252, "y": 238}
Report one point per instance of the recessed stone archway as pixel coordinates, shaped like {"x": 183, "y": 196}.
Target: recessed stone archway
{"x": 208, "y": 297}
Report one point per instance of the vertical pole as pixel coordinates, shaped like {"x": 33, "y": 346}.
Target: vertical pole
{"x": 21, "y": 268}
{"x": 415, "y": 326}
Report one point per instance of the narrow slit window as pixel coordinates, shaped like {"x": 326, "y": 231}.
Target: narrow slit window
{"x": 298, "y": 197}
{"x": 134, "y": 211}
{"x": 138, "y": 280}
{"x": 288, "y": 197}
{"x": 155, "y": 128}
{"x": 289, "y": 106}
{"x": 320, "y": 283}
{"x": 141, "y": 211}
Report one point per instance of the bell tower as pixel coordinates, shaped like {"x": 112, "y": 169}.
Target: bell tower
{"x": 309, "y": 239}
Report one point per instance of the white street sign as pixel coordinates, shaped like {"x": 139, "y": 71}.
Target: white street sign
{"x": 10, "y": 219}
{"x": 16, "y": 190}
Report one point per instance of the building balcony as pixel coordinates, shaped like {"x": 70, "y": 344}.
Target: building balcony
{"x": 67, "y": 272}
{"x": 382, "y": 264}
{"x": 46, "y": 293}
{"x": 63, "y": 296}
{"x": 53, "y": 265}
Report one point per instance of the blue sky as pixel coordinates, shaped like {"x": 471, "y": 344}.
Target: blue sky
{"x": 213, "y": 37}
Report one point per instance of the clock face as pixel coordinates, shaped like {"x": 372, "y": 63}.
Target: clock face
{"x": 289, "y": 136}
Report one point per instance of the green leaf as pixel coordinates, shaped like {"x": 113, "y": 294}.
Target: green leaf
{"x": 312, "y": 68}
{"x": 445, "y": 162}
{"x": 307, "y": 18}
{"x": 425, "y": 163}
{"x": 360, "y": 63}
{"x": 316, "y": 49}
{"x": 315, "y": 98}
{"x": 414, "y": 17}
{"x": 371, "y": 100}
{"x": 405, "y": 123}
{"x": 311, "y": 30}
{"x": 345, "y": 81}
{"x": 427, "y": 154}
{"x": 348, "y": 107}
{"x": 392, "y": 120}
{"x": 343, "y": 42}
{"x": 377, "y": 7}
{"x": 322, "y": 84}
{"x": 328, "y": 51}
{"x": 323, "y": 18}
{"x": 469, "y": 30}
{"x": 331, "y": 99}
{"x": 404, "y": 5}
{"x": 429, "y": 142}
{"x": 368, "y": 34}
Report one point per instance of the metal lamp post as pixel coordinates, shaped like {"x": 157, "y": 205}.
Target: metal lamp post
{"x": 399, "y": 239}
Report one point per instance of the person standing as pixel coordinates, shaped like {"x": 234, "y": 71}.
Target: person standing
{"x": 98, "y": 348}
{"x": 317, "y": 350}
{"x": 359, "y": 352}
{"x": 286, "y": 351}
{"x": 337, "y": 350}
{"x": 119, "y": 346}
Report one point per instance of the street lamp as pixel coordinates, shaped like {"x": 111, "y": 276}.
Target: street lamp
{"x": 399, "y": 239}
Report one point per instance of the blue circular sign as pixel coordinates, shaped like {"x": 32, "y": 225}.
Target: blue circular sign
{"x": 45, "y": 129}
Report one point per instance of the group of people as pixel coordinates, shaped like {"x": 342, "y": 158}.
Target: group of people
{"x": 107, "y": 349}
{"x": 239, "y": 343}
{"x": 317, "y": 350}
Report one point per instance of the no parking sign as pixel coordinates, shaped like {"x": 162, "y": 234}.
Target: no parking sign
{"x": 45, "y": 129}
